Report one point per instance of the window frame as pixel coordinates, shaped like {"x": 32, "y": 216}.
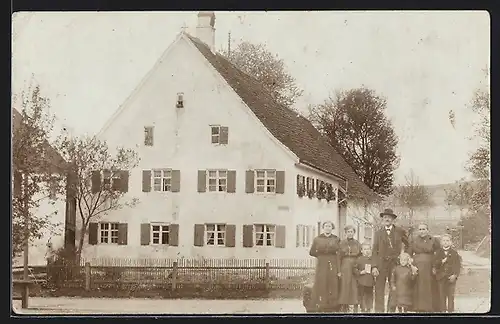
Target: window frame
{"x": 265, "y": 232}
{"x": 163, "y": 178}
{"x": 110, "y": 175}
{"x": 160, "y": 232}
{"x": 217, "y": 179}
{"x": 266, "y": 178}
{"x": 109, "y": 233}
{"x": 218, "y": 135}
{"x": 180, "y": 100}
{"x": 216, "y": 231}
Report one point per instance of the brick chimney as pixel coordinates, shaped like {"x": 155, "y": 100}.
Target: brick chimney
{"x": 205, "y": 31}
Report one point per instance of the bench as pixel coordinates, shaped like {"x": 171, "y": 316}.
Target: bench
{"x": 24, "y": 285}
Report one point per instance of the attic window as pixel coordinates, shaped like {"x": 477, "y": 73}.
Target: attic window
{"x": 180, "y": 100}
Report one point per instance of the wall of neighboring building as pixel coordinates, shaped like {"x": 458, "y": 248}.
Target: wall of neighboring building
{"x": 54, "y": 233}
{"x": 309, "y": 213}
{"x": 182, "y": 141}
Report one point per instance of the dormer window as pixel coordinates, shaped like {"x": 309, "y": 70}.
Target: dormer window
{"x": 180, "y": 100}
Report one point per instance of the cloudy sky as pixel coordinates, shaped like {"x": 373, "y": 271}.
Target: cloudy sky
{"x": 425, "y": 63}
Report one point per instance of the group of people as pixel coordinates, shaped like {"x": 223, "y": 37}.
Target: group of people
{"x": 420, "y": 270}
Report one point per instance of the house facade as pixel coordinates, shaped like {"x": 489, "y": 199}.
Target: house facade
{"x": 224, "y": 171}
{"x": 51, "y": 202}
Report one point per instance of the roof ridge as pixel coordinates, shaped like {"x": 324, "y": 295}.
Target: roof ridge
{"x": 289, "y": 127}
{"x": 217, "y": 54}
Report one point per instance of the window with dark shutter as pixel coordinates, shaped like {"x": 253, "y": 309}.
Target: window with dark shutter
{"x": 230, "y": 235}
{"x": 145, "y": 233}
{"x": 224, "y": 135}
{"x": 202, "y": 180}
{"x": 231, "y": 181}
{"x": 93, "y": 233}
{"x": 122, "y": 234}
{"x": 176, "y": 181}
{"x": 174, "y": 235}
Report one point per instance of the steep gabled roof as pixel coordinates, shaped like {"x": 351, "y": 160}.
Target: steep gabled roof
{"x": 291, "y": 129}
{"x": 55, "y": 160}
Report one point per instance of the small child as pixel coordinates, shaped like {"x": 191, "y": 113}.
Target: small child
{"x": 447, "y": 265}
{"x": 402, "y": 280}
{"x": 363, "y": 272}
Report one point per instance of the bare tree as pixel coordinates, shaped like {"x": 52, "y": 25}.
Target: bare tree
{"x": 37, "y": 169}
{"x": 257, "y": 61}
{"x": 413, "y": 196}
{"x": 355, "y": 124}
{"x": 99, "y": 179}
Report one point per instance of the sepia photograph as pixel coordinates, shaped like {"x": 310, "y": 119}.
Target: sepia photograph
{"x": 250, "y": 162}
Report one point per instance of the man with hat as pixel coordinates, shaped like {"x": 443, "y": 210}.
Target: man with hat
{"x": 388, "y": 243}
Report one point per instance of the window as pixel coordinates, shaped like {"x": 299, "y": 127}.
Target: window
{"x": 265, "y": 235}
{"x": 217, "y": 180}
{"x": 180, "y": 100}
{"x": 216, "y": 234}
{"x": 265, "y": 180}
{"x": 220, "y": 134}
{"x": 108, "y": 232}
{"x": 162, "y": 180}
{"x": 106, "y": 179}
{"x": 305, "y": 235}
{"x": 160, "y": 234}
{"x": 148, "y": 135}
{"x": 216, "y": 134}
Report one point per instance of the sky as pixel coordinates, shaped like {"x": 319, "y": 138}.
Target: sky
{"x": 425, "y": 63}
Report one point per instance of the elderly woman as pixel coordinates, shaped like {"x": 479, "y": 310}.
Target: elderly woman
{"x": 325, "y": 248}
{"x": 350, "y": 250}
{"x": 422, "y": 249}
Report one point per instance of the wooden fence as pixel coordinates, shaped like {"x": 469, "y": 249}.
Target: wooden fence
{"x": 137, "y": 274}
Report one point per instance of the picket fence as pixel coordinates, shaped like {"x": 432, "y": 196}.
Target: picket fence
{"x": 114, "y": 273}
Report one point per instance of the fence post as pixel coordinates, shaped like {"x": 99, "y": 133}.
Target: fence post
{"x": 266, "y": 278}
{"x": 87, "y": 276}
{"x": 174, "y": 275}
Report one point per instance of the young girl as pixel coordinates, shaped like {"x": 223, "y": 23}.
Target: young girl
{"x": 402, "y": 280}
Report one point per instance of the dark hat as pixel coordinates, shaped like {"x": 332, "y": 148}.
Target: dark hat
{"x": 388, "y": 212}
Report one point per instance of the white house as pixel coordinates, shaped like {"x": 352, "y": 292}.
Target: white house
{"x": 49, "y": 203}
{"x": 224, "y": 170}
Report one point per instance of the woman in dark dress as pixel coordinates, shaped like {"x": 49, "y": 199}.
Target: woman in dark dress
{"x": 422, "y": 249}
{"x": 350, "y": 250}
{"x": 325, "y": 248}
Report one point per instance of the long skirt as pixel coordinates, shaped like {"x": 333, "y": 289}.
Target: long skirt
{"x": 423, "y": 291}
{"x": 348, "y": 283}
{"x": 326, "y": 284}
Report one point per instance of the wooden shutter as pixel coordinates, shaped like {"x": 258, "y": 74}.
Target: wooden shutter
{"x": 202, "y": 180}
{"x": 297, "y": 239}
{"x": 230, "y": 235}
{"x": 124, "y": 175}
{"x": 176, "y": 180}
{"x": 249, "y": 181}
{"x": 298, "y": 184}
{"x": 146, "y": 180}
{"x": 145, "y": 233}
{"x": 116, "y": 183}
{"x": 122, "y": 233}
{"x": 280, "y": 182}
{"x": 93, "y": 228}
{"x": 199, "y": 234}
{"x": 224, "y": 135}
{"x": 18, "y": 183}
{"x": 231, "y": 181}
{"x": 174, "y": 235}
{"x": 280, "y": 236}
{"x": 96, "y": 181}
{"x": 247, "y": 235}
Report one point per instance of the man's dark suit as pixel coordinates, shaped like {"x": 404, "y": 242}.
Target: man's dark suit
{"x": 387, "y": 248}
